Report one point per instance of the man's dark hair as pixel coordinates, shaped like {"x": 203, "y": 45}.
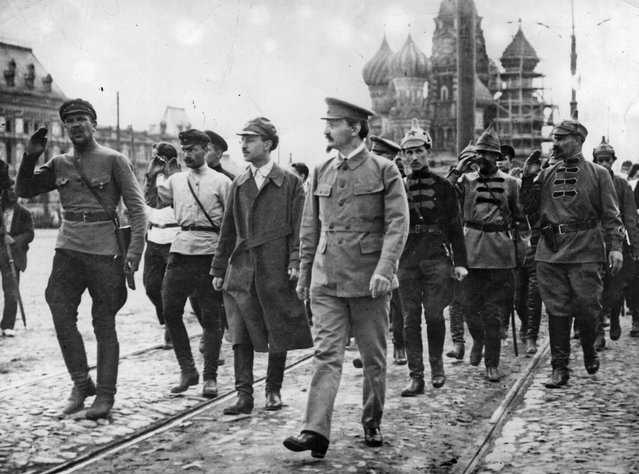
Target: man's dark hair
{"x": 363, "y": 130}
{"x": 301, "y": 169}
{"x": 165, "y": 149}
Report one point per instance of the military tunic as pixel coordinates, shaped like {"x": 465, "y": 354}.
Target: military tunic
{"x": 354, "y": 225}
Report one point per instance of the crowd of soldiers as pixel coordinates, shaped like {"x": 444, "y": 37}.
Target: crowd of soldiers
{"x": 373, "y": 241}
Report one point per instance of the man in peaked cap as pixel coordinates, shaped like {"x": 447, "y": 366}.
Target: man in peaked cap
{"x": 614, "y": 285}
{"x": 390, "y": 150}
{"x": 87, "y": 252}
{"x": 260, "y": 230}
{"x": 576, "y": 201}
{"x": 353, "y": 231}
{"x": 489, "y": 199}
{"x": 199, "y": 197}
{"x": 427, "y": 269}
{"x": 218, "y": 147}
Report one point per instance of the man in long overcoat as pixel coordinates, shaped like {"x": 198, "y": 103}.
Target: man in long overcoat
{"x": 257, "y": 263}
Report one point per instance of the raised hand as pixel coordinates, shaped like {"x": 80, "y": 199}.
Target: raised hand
{"x": 533, "y": 163}
{"x": 37, "y": 142}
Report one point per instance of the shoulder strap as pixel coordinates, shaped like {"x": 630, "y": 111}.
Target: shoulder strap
{"x": 188, "y": 181}
{"x": 85, "y": 180}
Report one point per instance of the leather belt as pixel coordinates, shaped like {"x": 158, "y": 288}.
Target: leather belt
{"x": 164, "y": 226}
{"x": 97, "y": 216}
{"x": 487, "y": 227}
{"x": 574, "y": 226}
{"x": 425, "y": 229}
{"x": 201, "y": 227}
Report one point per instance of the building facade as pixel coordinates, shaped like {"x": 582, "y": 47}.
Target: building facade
{"x": 407, "y": 84}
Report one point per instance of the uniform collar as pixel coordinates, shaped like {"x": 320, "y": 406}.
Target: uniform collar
{"x": 276, "y": 174}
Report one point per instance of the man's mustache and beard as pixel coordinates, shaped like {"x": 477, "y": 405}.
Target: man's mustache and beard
{"x": 329, "y": 147}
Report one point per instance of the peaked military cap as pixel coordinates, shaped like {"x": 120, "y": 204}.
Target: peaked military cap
{"x": 77, "y": 106}
{"x": 604, "y": 148}
{"x": 571, "y": 127}
{"x": 340, "y": 109}
{"x": 470, "y": 150}
{"x": 217, "y": 140}
{"x": 383, "y": 145}
{"x": 416, "y": 136}
{"x": 489, "y": 141}
{"x": 262, "y": 127}
{"x": 193, "y": 137}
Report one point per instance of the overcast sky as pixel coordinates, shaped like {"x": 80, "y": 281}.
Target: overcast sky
{"x": 228, "y": 61}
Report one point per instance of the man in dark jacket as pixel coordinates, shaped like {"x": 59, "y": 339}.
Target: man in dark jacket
{"x": 577, "y": 205}
{"x": 257, "y": 264}
{"x": 434, "y": 253}
{"x": 18, "y": 233}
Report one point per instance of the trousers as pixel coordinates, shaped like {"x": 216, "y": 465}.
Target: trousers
{"x": 333, "y": 318}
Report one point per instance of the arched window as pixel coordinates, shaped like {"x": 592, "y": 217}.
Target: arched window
{"x": 443, "y": 93}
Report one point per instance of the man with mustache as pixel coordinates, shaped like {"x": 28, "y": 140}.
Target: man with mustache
{"x": 353, "y": 231}
{"x": 257, "y": 263}
{"x": 490, "y": 208}
{"x": 198, "y": 197}
{"x": 577, "y": 205}
{"x": 87, "y": 254}
{"x": 427, "y": 270}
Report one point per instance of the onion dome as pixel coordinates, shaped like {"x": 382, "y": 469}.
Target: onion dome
{"x": 376, "y": 71}
{"x": 519, "y": 48}
{"x": 410, "y": 61}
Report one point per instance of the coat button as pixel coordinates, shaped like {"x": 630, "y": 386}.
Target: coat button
{"x": 330, "y": 226}
{"x": 341, "y": 203}
{"x": 341, "y": 185}
{"x": 340, "y": 242}
{"x": 348, "y": 227}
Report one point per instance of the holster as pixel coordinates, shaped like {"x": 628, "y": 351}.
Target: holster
{"x": 550, "y": 237}
{"x": 123, "y": 236}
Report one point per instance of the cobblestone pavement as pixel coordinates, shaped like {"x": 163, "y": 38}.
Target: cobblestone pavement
{"x": 590, "y": 426}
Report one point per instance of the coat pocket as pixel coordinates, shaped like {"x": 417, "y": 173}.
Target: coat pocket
{"x": 368, "y": 188}
{"x": 323, "y": 189}
{"x": 371, "y": 243}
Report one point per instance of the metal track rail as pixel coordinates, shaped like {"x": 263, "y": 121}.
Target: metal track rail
{"x": 81, "y": 462}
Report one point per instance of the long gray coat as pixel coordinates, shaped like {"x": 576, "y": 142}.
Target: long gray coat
{"x": 259, "y": 242}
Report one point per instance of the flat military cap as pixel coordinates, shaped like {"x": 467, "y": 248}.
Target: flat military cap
{"x": 77, "y": 106}
{"x": 416, "y": 136}
{"x": 340, "y": 109}
{"x": 166, "y": 149}
{"x": 193, "y": 137}
{"x": 489, "y": 141}
{"x": 261, "y": 127}
{"x": 507, "y": 151}
{"x": 382, "y": 145}
{"x": 217, "y": 140}
{"x": 571, "y": 127}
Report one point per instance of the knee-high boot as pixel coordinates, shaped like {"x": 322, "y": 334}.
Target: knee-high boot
{"x": 75, "y": 358}
{"x": 559, "y": 332}
{"x": 436, "y": 333}
{"x": 589, "y": 328}
{"x": 108, "y": 360}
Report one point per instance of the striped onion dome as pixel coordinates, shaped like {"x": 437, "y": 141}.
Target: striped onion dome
{"x": 410, "y": 61}
{"x": 376, "y": 71}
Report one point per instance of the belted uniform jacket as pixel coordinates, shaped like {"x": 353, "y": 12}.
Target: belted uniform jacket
{"x": 355, "y": 224}
{"x": 259, "y": 242}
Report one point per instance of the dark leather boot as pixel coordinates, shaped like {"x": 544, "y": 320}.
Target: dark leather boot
{"x": 615, "y": 327}
{"x": 243, "y": 405}
{"x": 273, "y": 401}
{"x": 492, "y": 374}
{"x": 457, "y": 352}
{"x": 211, "y": 354}
{"x": 576, "y": 330}
{"x": 634, "y": 332}
{"x": 168, "y": 344}
{"x": 209, "y": 389}
{"x": 559, "y": 333}
{"x": 589, "y": 344}
{"x": 108, "y": 361}
{"x": 186, "y": 380}
{"x": 79, "y": 393}
{"x": 308, "y": 441}
{"x": 399, "y": 354}
{"x": 437, "y": 375}
{"x": 476, "y": 352}
{"x": 414, "y": 387}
